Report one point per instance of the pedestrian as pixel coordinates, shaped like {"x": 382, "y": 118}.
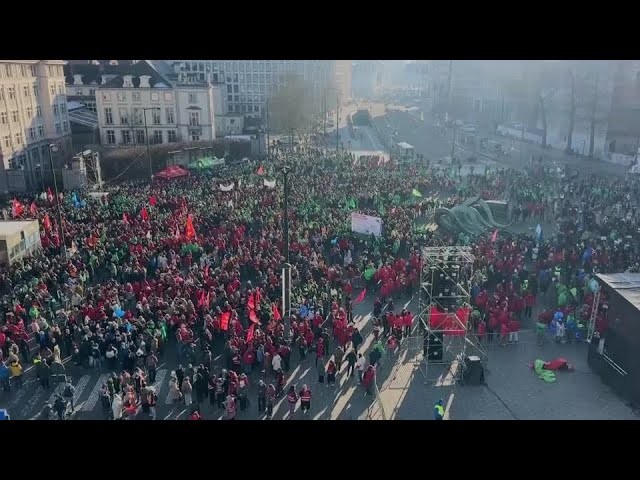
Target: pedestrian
{"x": 69, "y": 393}
{"x": 187, "y": 391}
{"x": 280, "y": 381}
{"x": 292, "y": 400}
{"x": 338, "y": 356}
{"x": 331, "y": 374}
{"x": 438, "y": 410}
{"x": 305, "y": 399}
{"x": 242, "y": 392}
{"x": 356, "y": 339}
{"x": 321, "y": 370}
{"x": 175, "y": 395}
{"x": 230, "y": 407}
{"x": 220, "y": 390}
{"x": 270, "y": 398}
{"x": 360, "y": 367}
{"x": 180, "y": 376}
{"x": 152, "y": 364}
{"x": 262, "y": 397}
{"x": 368, "y": 379}
{"x": 15, "y": 370}
{"x": 351, "y": 362}
{"x": 60, "y": 406}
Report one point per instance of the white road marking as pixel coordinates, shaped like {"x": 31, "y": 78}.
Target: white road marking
{"x": 160, "y": 375}
{"x": 82, "y": 384}
{"x": 91, "y": 402}
{"x": 448, "y": 409}
{"x": 33, "y": 401}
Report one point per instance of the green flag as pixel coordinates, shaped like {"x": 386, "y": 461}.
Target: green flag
{"x": 368, "y": 273}
{"x": 416, "y": 193}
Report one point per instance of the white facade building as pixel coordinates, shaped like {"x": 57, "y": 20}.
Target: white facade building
{"x": 33, "y": 115}
{"x": 173, "y": 112}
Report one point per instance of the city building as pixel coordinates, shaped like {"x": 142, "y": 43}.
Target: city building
{"x": 249, "y": 83}
{"x": 174, "y": 111}
{"x": 33, "y": 116}
{"x": 367, "y": 78}
{"x": 18, "y": 239}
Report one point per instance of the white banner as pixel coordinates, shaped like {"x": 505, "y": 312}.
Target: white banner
{"x": 269, "y": 183}
{"x": 227, "y": 188}
{"x": 366, "y": 224}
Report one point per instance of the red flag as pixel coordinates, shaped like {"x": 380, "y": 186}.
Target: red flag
{"x": 251, "y": 302}
{"x": 257, "y": 298}
{"x": 260, "y": 170}
{"x": 49, "y": 195}
{"x": 152, "y": 201}
{"x": 17, "y": 208}
{"x": 201, "y": 298}
{"x": 144, "y": 214}
{"x": 250, "y": 332}
{"x": 275, "y": 312}
{"x": 33, "y": 209}
{"x": 189, "y": 231}
{"x": 125, "y": 218}
{"x": 224, "y": 321}
{"x": 253, "y": 317}
{"x": 207, "y": 301}
{"x": 360, "y": 298}
{"x": 494, "y": 237}
{"x": 47, "y": 222}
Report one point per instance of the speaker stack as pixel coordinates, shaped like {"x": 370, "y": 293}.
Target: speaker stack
{"x": 434, "y": 346}
{"x": 473, "y": 371}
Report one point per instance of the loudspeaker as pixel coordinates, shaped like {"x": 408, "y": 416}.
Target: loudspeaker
{"x": 433, "y": 346}
{"x": 473, "y": 371}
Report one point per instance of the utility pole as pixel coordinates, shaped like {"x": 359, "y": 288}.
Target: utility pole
{"x": 337, "y": 123}
{"x": 268, "y": 133}
{"x": 53, "y": 148}
{"x": 449, "y": 78}
{"x": 453, "y": 140}
{"x": 286, "y": 268}
{"x": 324, "y": 112}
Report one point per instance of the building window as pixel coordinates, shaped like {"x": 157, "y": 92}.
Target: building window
{"x": 124, "y": 116}
{"x": 40, "y": 131}
{"x": 29, "y": 111}
{"x": 92, "y": 92}
{"x": 53, "y": 90}
{"x": 63, "y": 107}
{"x": 65, "y": 126}
{"x": 194, "y": 119}
{"x": 7, "y": 71}
{"x": 126, "y": 137}
{"x": 4, "y": 118}
{"x": 137, "y": 116}
{"x": 168, "y": 96}
{"x": 171, "y": 136}
{"x": 135, "y": 96}
{"x": 155, "y": 97}
{"x": 91, "y": 106}
{"x": 60, "y": 89}
{"x": 229, "y": 98}
{"x": 140, "y": 136}
{"x": 108, "y": 116}
{"x": 39, "y": 111}
{"x": 14, "y": 116}
{"x": 235, "y": 89}
{"x": 32, "y": 133}
{"x": 58, "y": 129}
{"x": 12, "y": 93}
{"x": 36, "y": 91}
{"x": 111, "y": 137}
{"x": 32, "y": 70}
{"x": 106, "y": 97}
{"x": 26, "y": 90}
{"x": 6, "y": 141}
{"x": 229, "y": 89}
{"x": 157, "y": 136}
{"x": 156, "y": 116}
{"x": 195, "y": 137}
{"x": 19, "y": 138}
{"x": 169, "y": 113}
{"x": 122, "y": 96}
{"x": 55, "y": 110}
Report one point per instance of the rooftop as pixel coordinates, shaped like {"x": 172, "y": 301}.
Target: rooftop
{"x": 9, "y": 228}
{"x": 626, "y": 284}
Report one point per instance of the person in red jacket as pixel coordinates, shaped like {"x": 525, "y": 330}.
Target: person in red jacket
{"x": 513, "y": 326}
{"x": 305, "y": 399}
{"x": 320, "y": 351}
{"x": 195, "y": 415}
{"x": 292, "y": 400}
{"x": 482, "y": 331}
{"x": 368, "y": 379}
{"x": 529, "y": 302}
{"x": 331, "y": 373}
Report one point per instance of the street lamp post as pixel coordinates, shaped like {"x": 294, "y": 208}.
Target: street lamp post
{"x": 146, "y": 134}
{"x": 53, "y": 148}
{"x": 286, "y": 268}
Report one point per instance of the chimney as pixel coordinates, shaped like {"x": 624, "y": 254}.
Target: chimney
{"x": 127, "y": 81}
{"x": 77, "y": 79}
{"x": 144, "y": 81}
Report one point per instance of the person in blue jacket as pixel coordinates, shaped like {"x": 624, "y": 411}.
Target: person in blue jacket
{"x": 4, "y": 377}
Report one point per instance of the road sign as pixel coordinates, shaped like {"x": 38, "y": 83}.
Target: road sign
{"x": 3, "y": 414}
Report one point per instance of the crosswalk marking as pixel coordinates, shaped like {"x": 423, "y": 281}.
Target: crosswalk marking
{"x": 32, "y": 402}
{"x": 91, "y": 402}
{"x": 161, "y": 374}
{"x": 168, "y": 400}
{"x": 80, "y": 386}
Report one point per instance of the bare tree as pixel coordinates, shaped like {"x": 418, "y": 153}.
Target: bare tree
{"x": 291, "y": 107}
{"x": 592, "y": 120}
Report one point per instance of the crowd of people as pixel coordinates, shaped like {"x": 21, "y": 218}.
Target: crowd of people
{"x": 192, "y": 265}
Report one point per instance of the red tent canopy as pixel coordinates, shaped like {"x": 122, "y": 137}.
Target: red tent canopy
{"x": 172, "y": 171}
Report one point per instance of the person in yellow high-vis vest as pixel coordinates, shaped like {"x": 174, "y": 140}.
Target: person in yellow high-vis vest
{"x": 438, "y": 411}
